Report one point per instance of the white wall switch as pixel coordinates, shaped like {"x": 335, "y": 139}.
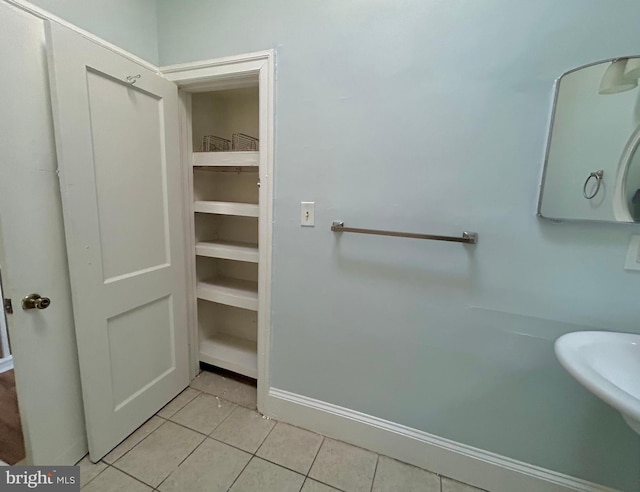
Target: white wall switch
{"x": 307, "y": 214}
{"x": 633, "y": 254}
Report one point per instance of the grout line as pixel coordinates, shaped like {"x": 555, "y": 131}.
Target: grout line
{"x": 328, "y": 485}
{"x": 255, "y": 453}
{"x": 185, "y": 459}
{"x": 314, "y": 461}
{"x": 297, "y": 472}
{"x": 302, "y": 485}
{"x": 173, "y": 414}
{"x": 131, "y": 476}
{"x": 232, "y": 446}
{"x": 205, "y": 436}
{"x": 204, "y": 439}
{"x": 100, "y": 473}
{"x": 188, "y": 428}
{"x": 324, "y": 438}
{"x": 244, "y": 450}
{"x": 226, "y": 416}
{"x": 280, "y": 465}
{"x": 200, "y": 432}
{"x": 240, "y": 449}
{"x": 375, "y": 471}
{"x": 305, "y": 481}
{"x": 241, "y": 472}
{"x": 135, "y": 445}
{"x": 316, "y": 456}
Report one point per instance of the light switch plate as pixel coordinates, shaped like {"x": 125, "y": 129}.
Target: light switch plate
{"x": 633, "y": 254}
{"x": 307, "y": 214}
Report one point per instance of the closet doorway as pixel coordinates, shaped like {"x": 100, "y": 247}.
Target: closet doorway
{"x": 12, "y": 449}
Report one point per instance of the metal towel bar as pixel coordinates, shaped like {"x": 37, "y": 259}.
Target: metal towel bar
{"x": 467, "y": 237}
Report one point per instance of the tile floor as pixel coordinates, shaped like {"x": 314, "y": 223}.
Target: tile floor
{"x": 210, "y": 438}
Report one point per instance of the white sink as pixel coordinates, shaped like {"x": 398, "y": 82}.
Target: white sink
{"x": 608, "y": 365}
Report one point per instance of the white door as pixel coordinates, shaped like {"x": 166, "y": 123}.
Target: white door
{"x": 116, "y": 129}
{"x": 32, "y": 249}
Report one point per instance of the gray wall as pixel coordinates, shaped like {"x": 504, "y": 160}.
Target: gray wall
{"x": 431, "y": 116}
{"x": 129, "y": 24}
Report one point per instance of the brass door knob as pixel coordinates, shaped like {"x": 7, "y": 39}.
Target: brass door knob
{"x": 34, "y": 301}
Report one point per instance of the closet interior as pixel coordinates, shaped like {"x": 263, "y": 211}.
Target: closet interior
{"x": 226, "y": 180}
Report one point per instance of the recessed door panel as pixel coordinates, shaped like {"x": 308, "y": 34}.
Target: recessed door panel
{"x": 127, "y": 139}
{"x": 140, "y": 363}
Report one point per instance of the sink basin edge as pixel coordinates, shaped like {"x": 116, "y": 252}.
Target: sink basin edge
{"x": 569, "y": 349}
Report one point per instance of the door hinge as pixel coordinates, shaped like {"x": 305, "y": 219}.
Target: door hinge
{"x": 8, "y": 307}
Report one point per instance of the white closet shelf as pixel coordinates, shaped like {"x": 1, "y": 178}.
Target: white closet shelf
{"x": 221, "y": 159}
{"x": 229, "y": 352}
{"x": 227, "y": 208}
{"x": 229, "y": 250}
{"x": 229, "y": 291}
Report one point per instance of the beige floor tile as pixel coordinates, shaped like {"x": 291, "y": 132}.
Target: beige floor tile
{"x": 392, "y": 475}
{"x": 177, "y": 403}
{"x": 262, "y": 476}
{"x": 449, "y": 485}
{"x": 244, "y": 429}
{"x": 156, "y": 457}
{"x": 143, "y": 431}
{"x": 213, "y": 467}
{"x": 112, "y": 480}
{"x": 313, "y": 486}
{"x": 89, "y": 471}
{"x": 344, "y": 466}
{"x": 291, "y": 447}
{"x": 242, "y": 393}
{"x": 204, "y": 413}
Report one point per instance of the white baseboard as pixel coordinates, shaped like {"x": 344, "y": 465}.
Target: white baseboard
{"x": 464, "y": 463}
{"x": 6, "y": 364}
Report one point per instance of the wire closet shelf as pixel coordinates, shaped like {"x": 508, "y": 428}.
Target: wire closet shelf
{"x": 238, "y": 142}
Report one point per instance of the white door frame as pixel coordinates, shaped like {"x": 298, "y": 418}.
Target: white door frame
{"x": 226, "y": 73}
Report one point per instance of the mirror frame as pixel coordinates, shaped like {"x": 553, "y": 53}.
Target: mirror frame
{"x": 635, "y": 136}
